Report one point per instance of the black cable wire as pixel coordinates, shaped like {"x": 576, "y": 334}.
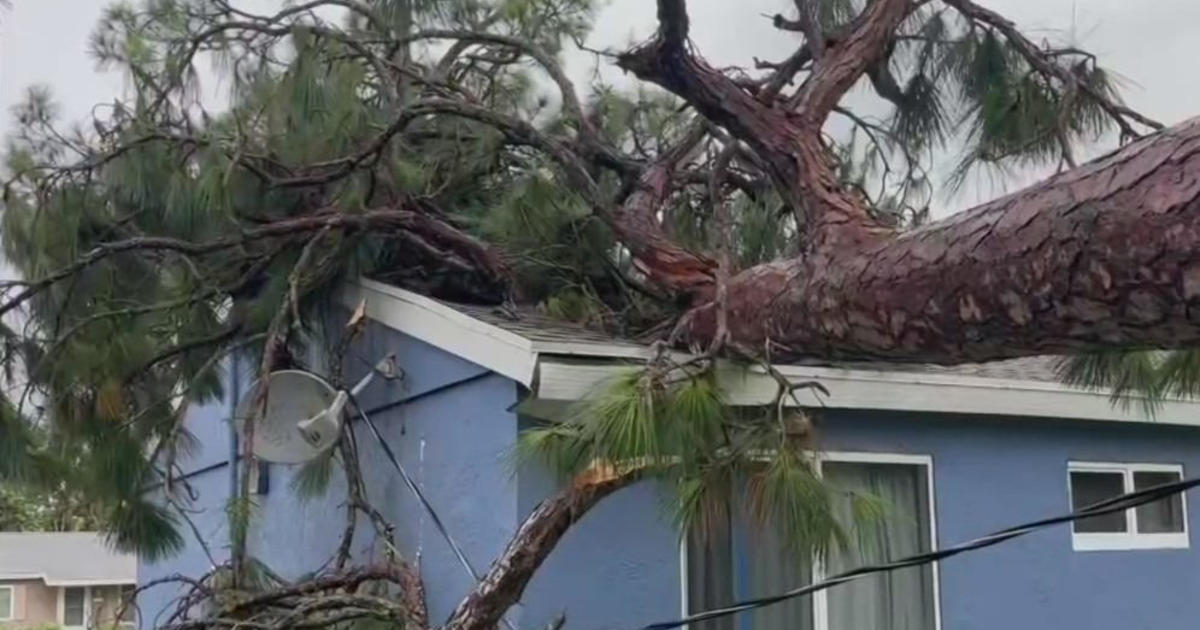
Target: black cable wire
{"x": 416, "y": 490}
{"x": 399, "y": 402}
{"x": 1108, "y": 506}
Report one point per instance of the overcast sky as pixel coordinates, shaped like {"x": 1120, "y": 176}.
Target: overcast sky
{"x": 1150, "y": 44}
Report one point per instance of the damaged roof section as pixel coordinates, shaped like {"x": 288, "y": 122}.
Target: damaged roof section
{"x": 563, "y": 361}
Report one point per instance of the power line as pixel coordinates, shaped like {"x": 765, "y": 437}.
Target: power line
{"x": 1108, "y": 506}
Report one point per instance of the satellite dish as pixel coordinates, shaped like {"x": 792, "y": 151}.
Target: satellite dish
{"x": 301, "y": 420}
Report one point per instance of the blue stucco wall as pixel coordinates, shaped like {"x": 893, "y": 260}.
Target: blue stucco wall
{"x": 619, "y": 567}
{"x": 454, "y": 438}
{"x": 989, "y": 474}
{"x": 205, "y": 472}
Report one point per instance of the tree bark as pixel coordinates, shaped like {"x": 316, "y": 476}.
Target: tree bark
{"x": 1103, "y": 254}
{"x": 486, "y": 604}
{"x": 787, "y": 139}
{"x": 635, "y": 221}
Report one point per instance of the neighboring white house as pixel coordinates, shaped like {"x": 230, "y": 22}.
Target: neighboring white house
{"x": 70, "y": 579}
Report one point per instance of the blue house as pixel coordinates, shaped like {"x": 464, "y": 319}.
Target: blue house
{"x": 958, "y": 452}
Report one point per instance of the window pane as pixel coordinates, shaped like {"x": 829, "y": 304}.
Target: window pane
{"x": 6, "y": 603}
{"x": 898, "y": 600}
{"x": 1163, "y": 516}
{"x": 735, "y": 560}
{"x": 73, "y": 605}
{"x": 773, "y": 568}
{"x": 126, "y": 603}
{"x": 710, "y": 574}
{"x": 1088, "y": 488}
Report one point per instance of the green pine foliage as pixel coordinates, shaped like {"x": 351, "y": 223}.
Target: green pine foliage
{"x": 958, "y": 85}
{"x": 111, "y": 359}
{"x": 672, "y": 425}
{"x": 1143, "y": 378}
{"x": 312, "y": 479}
{"x": 139, "y": 525}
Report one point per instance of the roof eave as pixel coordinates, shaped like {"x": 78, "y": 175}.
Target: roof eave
{"x": 50, "y": 581}
{"x": 566, "y": 380}
{"x": 568, "y": 371}
{"x": 434, "y": 323}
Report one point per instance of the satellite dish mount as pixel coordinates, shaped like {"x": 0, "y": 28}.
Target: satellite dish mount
{"x": 303, "y": 412}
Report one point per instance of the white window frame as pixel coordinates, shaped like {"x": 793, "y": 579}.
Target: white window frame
{"x": 12, "y": 602}
{"x": 1131, "y": 539}
{"x": 87, "y": 607}
{"x": 820, "y": 598}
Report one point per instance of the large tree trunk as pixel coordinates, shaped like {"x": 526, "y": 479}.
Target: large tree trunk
{"x": 1108, "y": 253}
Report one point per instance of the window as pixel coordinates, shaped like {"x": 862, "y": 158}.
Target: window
{"x": 740, "y": 561}
{"x": 6, "y": 603}
{"x": 1161, "y": 524}
{"x": 260, "y": 477}
{"x": 74, "y": 606}
{"x": 126, "y": 607}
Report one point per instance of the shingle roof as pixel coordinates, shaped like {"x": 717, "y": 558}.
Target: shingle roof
{"x": 562, "y": 362}
{"x": 64, "y": 558}
{"x": 539, "y": 327}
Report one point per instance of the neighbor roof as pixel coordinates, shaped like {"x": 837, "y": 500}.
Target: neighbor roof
{"x": 64, "y": 559}
{"x": 561, "y": 361}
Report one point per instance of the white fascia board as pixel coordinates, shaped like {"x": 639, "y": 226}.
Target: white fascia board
{"x": 92, "y": 582}
{"x": 900, "y": 391}
{"x": 21, "y": 576}
{"x": 48, "y": 581}
{"x": 614, "y": 350}
{"x": 494, "y": 348}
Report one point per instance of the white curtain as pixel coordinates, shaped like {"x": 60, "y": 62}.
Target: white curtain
{"x": 739, "y": 562}
{"x": 711, "y": 575}
{"x": 772, "y": 569}
{"x": 898, "y": 600}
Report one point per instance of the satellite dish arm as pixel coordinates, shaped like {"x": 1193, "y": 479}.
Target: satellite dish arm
{"x": 324, "y": 423}
{"x": 327, "y": 422}
{"x": 386, "y": 368}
